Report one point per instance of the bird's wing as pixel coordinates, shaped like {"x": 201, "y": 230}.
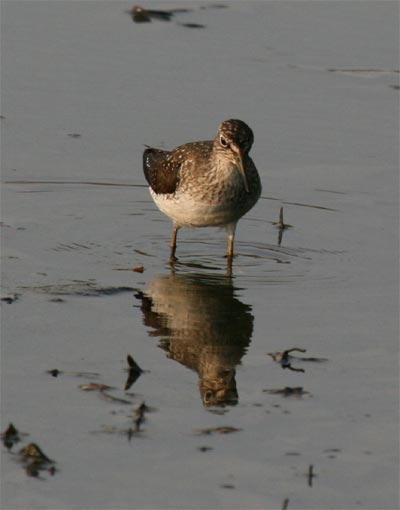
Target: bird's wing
{"x": 161, "y": 171}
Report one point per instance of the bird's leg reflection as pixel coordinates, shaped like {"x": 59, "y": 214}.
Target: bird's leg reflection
{"x": 231, "y": 228}
{"x": 202, "y": 325}
{"x": 229, "y": 267}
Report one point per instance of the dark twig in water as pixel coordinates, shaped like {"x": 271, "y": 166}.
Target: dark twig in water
{"x": 101, "y": 388}
{"x": 192, "y": 25}
{"x": 139, "y": 416}
{"x": 311, "y": 475}
{"x": 134, "y": 372}
{"x": 55, "y": 372}
{"x": 11, "y": 436}
{"x": 287, "y": 391}
{"x": 285, "y": 504}
{"x": 132, "y": 364}
{"x": 285, "y": 360}
{"x": 111, "y": 398}
{"x": 141, "y": 15}
{"x": 281, "y": 225}
{"x": 10, "y": 299}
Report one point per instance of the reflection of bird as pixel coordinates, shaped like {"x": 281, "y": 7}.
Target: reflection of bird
{"x": 205, "y": 184}
{"x": 203, "y": 326}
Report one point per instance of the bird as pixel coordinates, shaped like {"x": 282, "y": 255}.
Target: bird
{"x": 210, "y": 183}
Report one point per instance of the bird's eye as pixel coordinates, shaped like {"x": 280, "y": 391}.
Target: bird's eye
{"x": 224, "y": 142}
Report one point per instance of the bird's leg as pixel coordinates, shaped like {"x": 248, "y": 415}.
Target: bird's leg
{"x": 231, "y": 239}
{"x": 172, "y": 257}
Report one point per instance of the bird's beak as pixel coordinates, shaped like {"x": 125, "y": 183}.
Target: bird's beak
{"x": 239, "y": 158}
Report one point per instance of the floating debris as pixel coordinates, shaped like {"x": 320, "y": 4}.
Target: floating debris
{"x": 101, "y": 388}
{"x": 74, "y": 135}
{"x": 311, "y": 475}
{"x": 140, "y": 252}
{"x": 111, "y": 398}
{"x": 285, "y": 360}
{"x": 32, "y": 451}
{"x": 55, "y": 372}
{"x": 281, "y": 226}
{"x": 192, "y": 25}
{"x": 132, "y": 378}
{"x": 11, "y": 436}
{"x": 36, "y": 461}
{"x": 10, "y": 299}
{"x": 138, "y": 269}
{"x": 31, "y": 456}
{"x": 139, "y": 416}
{"x": 205, "y": 448}
{"x": 227, "y": 486}
{"x": 285, "y": 504}
{"x": 217, "y": 430}
{"x": 332, "y": 450}
{"x": 94, "y": 387}
{"x": 288, "y": 391}
{"x": 280, "y": 223}
{"x": 134, "y": 372}
{"x": 132, "y": 364}
{"x": 141, "y": 15}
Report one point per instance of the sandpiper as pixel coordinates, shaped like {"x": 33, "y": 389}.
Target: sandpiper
{"x": 205, "y": 184}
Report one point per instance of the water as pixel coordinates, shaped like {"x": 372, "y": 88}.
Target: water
{"x": 226, "y": 425}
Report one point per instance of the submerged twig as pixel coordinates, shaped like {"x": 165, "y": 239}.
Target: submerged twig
{"x": 311, "y": 475}
{"x": 281, "y": 225}
{"x": 285, "y": 360}
{"x": 134, "y": 372}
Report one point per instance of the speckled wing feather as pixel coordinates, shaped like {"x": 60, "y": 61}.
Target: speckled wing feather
{"x": 160, "y": 170}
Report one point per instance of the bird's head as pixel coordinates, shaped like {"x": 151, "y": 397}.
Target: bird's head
{"x": 234, "y": 140}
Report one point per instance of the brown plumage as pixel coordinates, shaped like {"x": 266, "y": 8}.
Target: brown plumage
{"x": 210, "y": 183}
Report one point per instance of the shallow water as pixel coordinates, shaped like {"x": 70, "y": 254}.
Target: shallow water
{"x": 226, "y": 425}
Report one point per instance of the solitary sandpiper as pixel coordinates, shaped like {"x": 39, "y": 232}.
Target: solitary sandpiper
{"x": 205, "y": 184}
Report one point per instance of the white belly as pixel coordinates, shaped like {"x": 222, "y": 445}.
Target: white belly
{"x": 186, "y": 212}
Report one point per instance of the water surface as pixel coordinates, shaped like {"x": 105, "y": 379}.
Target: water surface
{"x": 225, "y": 426}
